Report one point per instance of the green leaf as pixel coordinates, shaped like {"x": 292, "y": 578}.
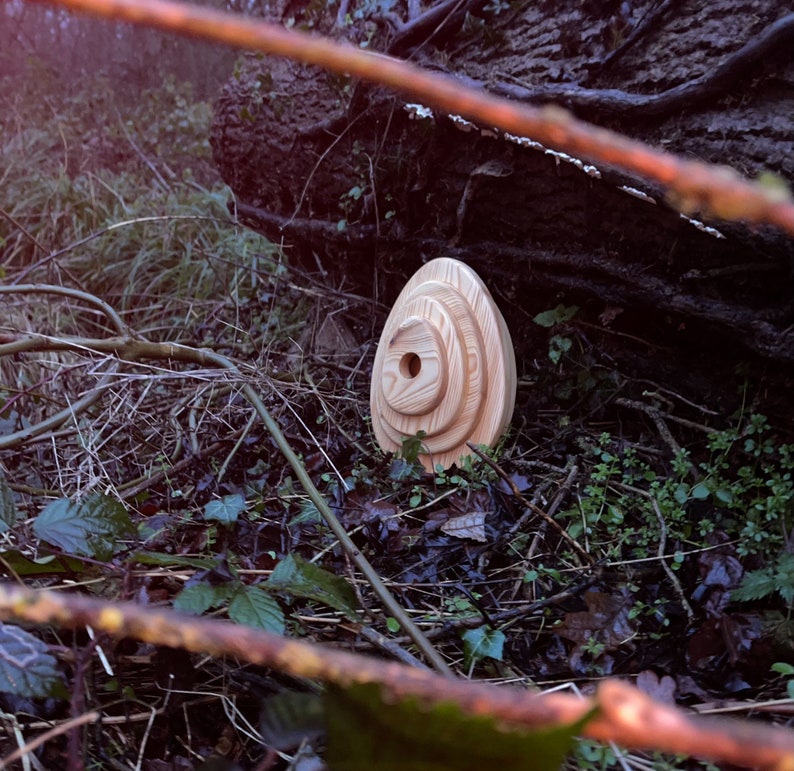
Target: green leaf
{"x": 291, "y": 717}
{"x": 700, "y": 492}
{"x": 45, "y": 565}
{"x": 755, "y": 585}
{"x": 200, "y": 597}
{"x": 366, "y": 731}
{"x": 297, "y": 577}
{"x": 681, "y": 494}
{"x": 226, "y": 510}
{"x": 8, "y": 508}
{"x": 413, "y": 446}
{"x": 92, "y": 527}
{"x": 724, "y": 495}
{"x": 782, "y": 668}
{"x": 558, "y": 315}
{"x": 26, "y": 668}
{"x": 253, "y": 607}
{"x": 173, "y": 560}
{"x": 482, "y": 642}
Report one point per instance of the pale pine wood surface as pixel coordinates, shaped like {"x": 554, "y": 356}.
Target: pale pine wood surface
{"x": 445, "y": 365}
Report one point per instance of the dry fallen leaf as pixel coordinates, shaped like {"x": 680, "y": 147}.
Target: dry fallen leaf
{"x": 467, "y": 526}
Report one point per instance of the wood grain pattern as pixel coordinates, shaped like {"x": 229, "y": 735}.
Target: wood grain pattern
{"x": 444, "y": 365}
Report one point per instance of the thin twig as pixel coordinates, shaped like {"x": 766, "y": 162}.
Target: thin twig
{"x": 556, "y": 526}
{"x": 667, "y": 569}
{"x": 130, "y": 349}
{"x": 33, "y": 744}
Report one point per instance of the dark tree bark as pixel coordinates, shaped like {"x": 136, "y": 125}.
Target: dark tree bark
{"x": 358, "y": 184}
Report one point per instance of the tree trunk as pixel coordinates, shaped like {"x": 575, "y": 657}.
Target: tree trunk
{"x": 364, "y": 187}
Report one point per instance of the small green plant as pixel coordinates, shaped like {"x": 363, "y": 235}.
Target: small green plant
{"x": 743, "y": 486}
{"x": 787, "y": 670}
{"x": 559, "y": 344}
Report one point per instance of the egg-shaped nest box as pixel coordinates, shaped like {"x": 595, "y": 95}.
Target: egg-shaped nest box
{"x": 444, "y": 366}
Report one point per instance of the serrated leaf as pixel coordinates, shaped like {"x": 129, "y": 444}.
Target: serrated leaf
{"x": 295, "y": 576}
{"x": 482, "y": 642}
{"x": 366, "y": 731}
{"x": 8, "y": 507}
{"x": 251, "y": 606}
{"x": 226, "y": 510}
{"x": 92, "y": 527}
{"x": 26, "y": 668}
{"x": 755, "y": 585}
{"x": 199, "y": 598}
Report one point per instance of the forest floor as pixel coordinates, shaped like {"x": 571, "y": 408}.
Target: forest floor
{"x": 678, "y": 495}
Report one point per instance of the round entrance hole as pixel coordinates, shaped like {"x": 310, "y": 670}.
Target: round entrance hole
{"x": 410, "y": 365}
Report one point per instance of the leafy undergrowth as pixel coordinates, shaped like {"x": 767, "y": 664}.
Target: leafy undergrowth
{"x": 164, "y": 488}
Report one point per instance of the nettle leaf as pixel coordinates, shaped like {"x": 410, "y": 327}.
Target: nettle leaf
{"x": 226, "y": 510}
{"x": 295, "y": 576}
{"x": 26, "y": 668}
{"x": 92, "y": 527}
{"x": 199, "y": 598}
{"x": 366, "y": 731}
{"x": 482, "y": 642}
{"x": 755, "y": 585}
{"x": 8, "y": 507}
{"x": 251, "y": 606}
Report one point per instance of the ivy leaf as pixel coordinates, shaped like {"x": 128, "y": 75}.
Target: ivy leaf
{"x": 92, "y": 527}
{"x": 200, "y": 597}
{"x": 8, "y": 508}
{"x": 366, "y": 730}
{"x": 253, "y": 607}
{"x": 482, "y": 642}
{"x": 26, "y": 668}
{"x": 295, "y": 576}
{"x": 226, "y": 510}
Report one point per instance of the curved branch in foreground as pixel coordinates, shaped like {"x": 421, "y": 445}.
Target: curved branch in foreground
{"x": 624, "y": 714}
{"x": 133, "y": 349}
{"x": 696, "y": 186}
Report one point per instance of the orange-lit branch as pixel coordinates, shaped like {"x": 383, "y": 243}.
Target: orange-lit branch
{"x": 696, "y": 186}
{"x": 625, "y": 715}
